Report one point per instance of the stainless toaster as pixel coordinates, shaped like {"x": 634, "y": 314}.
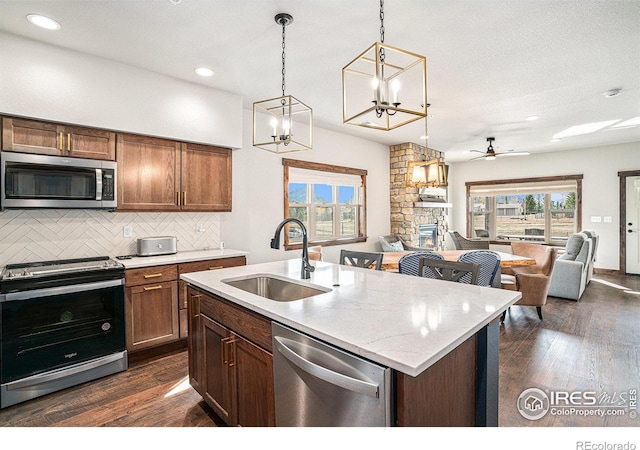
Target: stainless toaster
{"x": 158, "y": 245}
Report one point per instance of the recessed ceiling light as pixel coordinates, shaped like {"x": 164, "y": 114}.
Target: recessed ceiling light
{"x": 555, "y": 140}
{"x": 531, "y": 118}
{"x": 43, "y": 22}
{"x": 424, "y": 137}
{"x": 204, "y": 72}
{"x": 612, "y": 93}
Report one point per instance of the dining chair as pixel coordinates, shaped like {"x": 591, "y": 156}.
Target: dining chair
{"x": 449, "y": 270}
{"x": 410, "y": 264}
{"x": 489, "y": 262}
{"x": 367, "y": 260}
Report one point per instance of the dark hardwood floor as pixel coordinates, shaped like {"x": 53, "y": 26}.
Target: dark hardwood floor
{"x": 590, "y": 345}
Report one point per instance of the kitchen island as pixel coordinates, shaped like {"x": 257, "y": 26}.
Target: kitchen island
{"x": 439, "y": 338}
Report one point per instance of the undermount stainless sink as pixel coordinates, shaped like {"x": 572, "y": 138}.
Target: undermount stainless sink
{"x": 277, "y": 289}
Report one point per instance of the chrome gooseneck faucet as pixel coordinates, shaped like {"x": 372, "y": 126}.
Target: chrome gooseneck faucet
{"x": 307, "y": 268}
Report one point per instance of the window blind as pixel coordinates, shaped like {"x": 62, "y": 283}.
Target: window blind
{"x": 297, "y": 175}
{"x": 523, "y": 188}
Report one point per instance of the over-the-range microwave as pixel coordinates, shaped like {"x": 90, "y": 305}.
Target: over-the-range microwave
{"x": 42, "y": 181}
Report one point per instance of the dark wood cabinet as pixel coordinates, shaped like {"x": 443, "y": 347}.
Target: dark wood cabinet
{"x": 156, "y": 301}
{"x": 152, "y": 314}
{"x": 147, "y": 174}
{"x": 163, "y": 175}
{"x": 48, "y": 138}
{"x": 232, "y": 372}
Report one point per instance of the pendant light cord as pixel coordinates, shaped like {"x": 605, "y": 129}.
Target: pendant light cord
{"x": 283, "y": 57}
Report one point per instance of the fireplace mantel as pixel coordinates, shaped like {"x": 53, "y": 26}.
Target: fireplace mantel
{"x": 432, "y": 205}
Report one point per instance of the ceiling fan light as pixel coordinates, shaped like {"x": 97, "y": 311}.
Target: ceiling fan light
{"x": 490, "y": 158}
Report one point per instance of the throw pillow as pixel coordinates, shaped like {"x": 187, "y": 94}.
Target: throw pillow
{"x": 396, "y": 246}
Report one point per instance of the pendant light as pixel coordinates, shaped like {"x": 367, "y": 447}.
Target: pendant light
{"x": 276, "y": 119}
{"x": 432, "y": 173}
{"x": 385, "y": 87}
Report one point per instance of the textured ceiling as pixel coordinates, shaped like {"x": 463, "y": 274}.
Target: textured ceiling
{"x": 490, "y": 63}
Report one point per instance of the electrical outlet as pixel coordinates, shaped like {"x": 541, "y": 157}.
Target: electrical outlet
{"x": 199, "y": 228}
{"x": 127, "y": 231}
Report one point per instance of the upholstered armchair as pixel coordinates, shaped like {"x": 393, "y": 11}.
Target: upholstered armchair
{"x": 532, "y": 281}
{"x": 569, "y": 278}
{"x": 462, "y": 243}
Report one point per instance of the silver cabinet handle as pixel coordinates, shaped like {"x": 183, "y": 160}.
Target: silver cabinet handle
{"x": 343, "y": 381}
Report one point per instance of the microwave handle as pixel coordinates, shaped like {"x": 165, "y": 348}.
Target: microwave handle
{"x": 98, "y": 184}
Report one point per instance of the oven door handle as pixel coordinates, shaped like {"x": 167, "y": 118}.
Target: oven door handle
{"x": 61, "y": 290}
{"x": 36, "y": 380}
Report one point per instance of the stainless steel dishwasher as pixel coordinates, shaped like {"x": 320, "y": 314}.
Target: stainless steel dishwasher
{"x": 319, "y": 385}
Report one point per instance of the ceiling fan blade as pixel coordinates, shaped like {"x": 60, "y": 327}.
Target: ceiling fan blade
{"x": 513, "y": 154}
{"x": 477, "y": 151}
{"x": 478, "y": 157}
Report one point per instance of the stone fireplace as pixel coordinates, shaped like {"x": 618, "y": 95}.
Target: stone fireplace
{"x": 408, "y": 212}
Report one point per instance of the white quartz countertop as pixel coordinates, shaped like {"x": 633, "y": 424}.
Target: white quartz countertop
{"x": 400, "y": 321}
{"x": 180, "y": 257}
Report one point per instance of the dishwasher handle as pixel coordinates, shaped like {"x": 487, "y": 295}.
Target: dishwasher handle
{"x": 335, "y": 378}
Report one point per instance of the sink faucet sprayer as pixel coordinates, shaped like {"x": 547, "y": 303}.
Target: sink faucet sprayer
{"x": 307, "y": 268}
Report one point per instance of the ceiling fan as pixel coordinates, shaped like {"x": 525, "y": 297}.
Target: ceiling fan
{"x": 491, "y": 154}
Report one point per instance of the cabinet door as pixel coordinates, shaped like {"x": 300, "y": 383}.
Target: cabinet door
{"x": 206, "y": 178}
{"x": 89, "y": 143}
{"x": 151, "y": 315}
{"x": 147, "y": 173}
{"x": 30, "y": 136}
{"x": 196, "y": 355}
{"x": 219, "y": 374}
{"x": 254, "y": 369}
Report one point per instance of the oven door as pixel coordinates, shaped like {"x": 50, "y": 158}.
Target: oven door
{"x": 52, "y": 328}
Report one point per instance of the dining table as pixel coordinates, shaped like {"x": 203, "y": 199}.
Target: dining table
{"x": 390, "y": 259}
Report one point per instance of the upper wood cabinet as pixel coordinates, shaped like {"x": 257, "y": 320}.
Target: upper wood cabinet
{"x": 163, "y": 175}
{"x": 48, "y": 138}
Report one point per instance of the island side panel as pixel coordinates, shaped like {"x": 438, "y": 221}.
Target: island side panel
{"x": 487, "y": 373}
{"x": 444, "y": 395}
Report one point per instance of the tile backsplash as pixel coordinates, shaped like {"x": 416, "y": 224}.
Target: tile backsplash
{"x": 50, "y": 234}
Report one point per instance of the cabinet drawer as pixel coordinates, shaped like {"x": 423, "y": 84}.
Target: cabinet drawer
{"x": 237, "y": 319}
{"x": 155, "y": 274}
{"x": 212, "y": 264}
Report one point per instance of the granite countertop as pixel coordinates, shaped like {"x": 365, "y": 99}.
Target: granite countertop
{"x": 400, "y": 321}
{"x": 180, "y": 257}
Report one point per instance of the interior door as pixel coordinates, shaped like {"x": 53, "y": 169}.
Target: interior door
{"x": 632, "y": 226}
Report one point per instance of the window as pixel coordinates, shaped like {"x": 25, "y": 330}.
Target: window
{"x": 329, "y": 200}
{"x": 545, "y": 210}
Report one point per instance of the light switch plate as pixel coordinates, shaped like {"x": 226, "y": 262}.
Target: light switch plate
{"x": 596, "y": 219}
{"x": 607, "y": 219}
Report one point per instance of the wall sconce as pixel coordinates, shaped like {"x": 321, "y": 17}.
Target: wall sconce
{"x": 433, "y": 173}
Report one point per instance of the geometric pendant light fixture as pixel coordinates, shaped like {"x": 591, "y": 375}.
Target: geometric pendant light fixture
{"x": 432, "y": 173}
{"x": 385, "y": 87}
{"x": 282, "y": 124}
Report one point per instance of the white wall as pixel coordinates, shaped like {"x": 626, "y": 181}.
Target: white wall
{"x": 51, "y": 83}
{"x": 47, "y": 82}
{"x": 600, "y": 186}
{"x": 258, "y": 192}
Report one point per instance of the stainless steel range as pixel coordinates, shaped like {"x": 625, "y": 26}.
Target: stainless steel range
{"x": 61, "y": 324}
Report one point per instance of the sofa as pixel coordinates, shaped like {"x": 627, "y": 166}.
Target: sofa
{"x": 394, "y": 243}
{"x": 569, "y": 278}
